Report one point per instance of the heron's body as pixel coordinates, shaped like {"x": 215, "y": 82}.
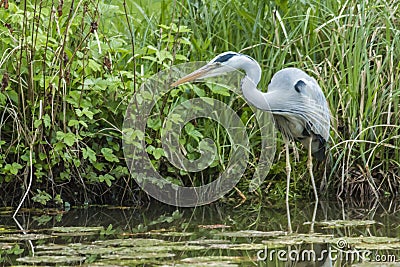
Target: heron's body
{"x": 294, "y": 98}
{"x": 306, "y": 113}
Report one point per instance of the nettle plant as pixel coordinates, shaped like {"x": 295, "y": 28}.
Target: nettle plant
{"x": 68, "y": 75}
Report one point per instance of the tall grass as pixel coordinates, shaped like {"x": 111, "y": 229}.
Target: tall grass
{"x": 350, "y": 47}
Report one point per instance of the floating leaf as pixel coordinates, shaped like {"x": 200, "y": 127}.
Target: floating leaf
{"x": 52, "y": 259}
{"x": 250, "y": 233}
{"x": 76, "y": 229}
{"x": 345, "y": 223}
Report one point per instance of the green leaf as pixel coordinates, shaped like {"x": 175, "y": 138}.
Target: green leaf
{"x": 191, "y": 131}
{"x": 41, "y": 197}
{"x": 98, "y": 166}
{"x": 73, "y": 123}
{"x": 3, "y": 99}
{"x": 16, "y": 250}
{"x": 47, "y": 121}
{"x": 85, "y": 112}
{"x": 163, "y": 55}
{"x": 69, "y": 139}
{"x": 37, "y": 123}
{"x": 58, "y": 199}
{"x": 154, "y": 124}
{"x": 42, "y": 156}
{"x": 198, "y": 91}
{"x": 89, "y": 153}
{"x": 58, "y": 147}
{"x": 158, "y": 153}
{"x": 216, "y": 89}
{"x": 94, "y": 65}
{"x": 13, "y": 96}
{"x": 181, "y": 57}
{"x": 60, "y": 135}
{"x": 13, "y": 168}
{"x": 108, "y": 155}
{"x": 106, "y": 178}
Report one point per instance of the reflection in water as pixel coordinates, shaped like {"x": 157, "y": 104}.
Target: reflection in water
{"x": 254, "y": 234}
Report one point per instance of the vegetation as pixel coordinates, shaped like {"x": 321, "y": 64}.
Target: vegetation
{"x": 69, "y": 69}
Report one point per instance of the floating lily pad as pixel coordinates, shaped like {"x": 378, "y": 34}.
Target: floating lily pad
{"x": 20, "y": 237}
{"x": 251, "y": 233}
{"x": 184, "y": 247}
{"x": 52, "y": 259}
{"x": 359, "y": 241}
{"x": 205, "y": 242}
{"x": 214, "y": 226}
{"x": 378, "y": 246}
{"x": 202, "y": 264}
{"x": 298, "y": 239}
{"x": 213, "y": 259}
{"x": 130, "y": 242}
{"x": 6, "y": 229}
{"x": 344, "y": 223}
{"x": 138, "y": 255}
{"x": 62, "y": 252}
{"x": 93, "y": 249}
{"x": 76, "y": 229}
{"x": 243, "y": 247}
{"x": 165, "y": 232}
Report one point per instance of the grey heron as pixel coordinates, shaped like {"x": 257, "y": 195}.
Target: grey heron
{"x": 295, "y": 99}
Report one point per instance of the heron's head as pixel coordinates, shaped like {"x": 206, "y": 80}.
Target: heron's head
{"x": 221, "y": 64}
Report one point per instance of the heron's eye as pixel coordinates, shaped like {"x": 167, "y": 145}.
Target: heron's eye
{"x": 299, "y": 85}
{"x": 217, "y": 63}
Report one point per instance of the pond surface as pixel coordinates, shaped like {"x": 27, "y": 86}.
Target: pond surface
{"x": 344, "y": 234}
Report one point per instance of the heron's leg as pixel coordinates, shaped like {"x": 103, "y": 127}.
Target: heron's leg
{"x": 310, "y": 168}
{"x": 313, "y": 217}
{"x": 288, "y": 169}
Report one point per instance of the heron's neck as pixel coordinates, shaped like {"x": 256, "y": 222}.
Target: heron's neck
{"x": 249, "y": 85}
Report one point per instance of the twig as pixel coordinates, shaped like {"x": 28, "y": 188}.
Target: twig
{"x": 31, "y": 162}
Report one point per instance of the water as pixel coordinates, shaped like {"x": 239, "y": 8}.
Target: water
{"x": 351, "y": 234}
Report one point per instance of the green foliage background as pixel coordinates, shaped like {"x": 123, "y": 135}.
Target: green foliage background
{"x": 69, "y": 69}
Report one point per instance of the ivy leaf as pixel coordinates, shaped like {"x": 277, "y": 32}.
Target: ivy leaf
{"x": 108, "y": 155}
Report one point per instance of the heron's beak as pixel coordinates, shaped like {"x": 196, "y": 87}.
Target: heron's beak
{"x": 203, "y": 71}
